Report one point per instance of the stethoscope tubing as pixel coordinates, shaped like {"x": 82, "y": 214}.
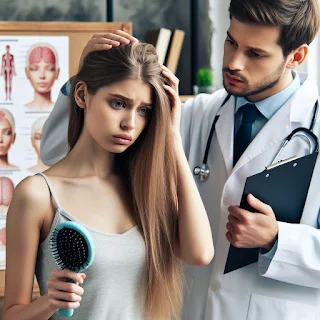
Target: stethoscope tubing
{"x": 203, "y": 171}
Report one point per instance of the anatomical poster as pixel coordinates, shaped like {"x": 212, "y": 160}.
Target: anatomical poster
{"x": 32, "y": 71}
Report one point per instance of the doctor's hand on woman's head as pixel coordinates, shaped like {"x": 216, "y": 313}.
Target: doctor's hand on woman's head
{"x": 106, "y": 41}
{"x": 173, "y": 91}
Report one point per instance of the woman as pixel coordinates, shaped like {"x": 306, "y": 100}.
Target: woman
{"x": 7, "y": 138}
{"x": 42, "y": 70}
{"x": 126, "y": 179}
{"x": 36, "y": 133}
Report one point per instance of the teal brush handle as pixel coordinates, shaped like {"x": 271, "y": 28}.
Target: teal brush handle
{"x": 66, "y": 312}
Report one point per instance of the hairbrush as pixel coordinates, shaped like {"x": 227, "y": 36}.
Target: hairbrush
{"x": 72, "y": 248}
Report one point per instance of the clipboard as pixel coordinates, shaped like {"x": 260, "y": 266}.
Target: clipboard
{"x": 284, "y": 186}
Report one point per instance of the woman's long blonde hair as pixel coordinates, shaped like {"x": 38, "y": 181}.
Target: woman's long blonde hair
{"x": 148, "y": 168}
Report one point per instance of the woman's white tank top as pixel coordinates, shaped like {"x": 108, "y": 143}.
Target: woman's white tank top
{"x": 114, "y": 288}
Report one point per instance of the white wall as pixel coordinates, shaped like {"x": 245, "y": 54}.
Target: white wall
{"x": 311, "y": 64}
{"x": 219, "y": 15}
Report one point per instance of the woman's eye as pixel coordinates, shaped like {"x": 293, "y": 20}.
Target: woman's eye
{"x": 117, "y": 104}
{"x": 144, "y": 111}
{"x": 8, "y": 132}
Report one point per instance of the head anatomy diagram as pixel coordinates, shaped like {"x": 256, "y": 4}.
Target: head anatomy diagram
{"x": 7, "y": 131}
{"x": 42, "y": 67}
{"x": 142, "y": 164}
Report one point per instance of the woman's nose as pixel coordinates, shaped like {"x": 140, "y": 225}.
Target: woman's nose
{"x": 129, "y": 121}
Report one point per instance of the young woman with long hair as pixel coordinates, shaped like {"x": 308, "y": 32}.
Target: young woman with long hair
{"x": 126, "y": 180}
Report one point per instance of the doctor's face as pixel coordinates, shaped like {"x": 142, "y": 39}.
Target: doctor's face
{"x": 253, "y": 63}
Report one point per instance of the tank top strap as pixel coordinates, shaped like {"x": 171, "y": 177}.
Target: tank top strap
{"x": 53, "y": 195}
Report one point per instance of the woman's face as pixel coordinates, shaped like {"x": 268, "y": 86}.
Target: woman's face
{"x": 36, "y": 139}
{"x": 42, "y": 75}
{"x": 116, "y": 115}
{"x": 7, "y": 136}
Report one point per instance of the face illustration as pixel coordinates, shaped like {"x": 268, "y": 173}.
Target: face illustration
{"x": 42, "y": 69}
{"x": 116, "y": 115}
{"x": 253, "y": 63}
{"x": 7, "y": 136}
{"x": 7, "y": 48}
{"x": 36, "y": 140}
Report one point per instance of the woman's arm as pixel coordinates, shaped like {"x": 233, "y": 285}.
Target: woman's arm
{"x": 29, "y": 207}
{"x": 195, "y": 245}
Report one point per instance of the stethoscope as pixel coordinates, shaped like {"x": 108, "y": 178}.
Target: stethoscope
{"x": 203, "y": 171}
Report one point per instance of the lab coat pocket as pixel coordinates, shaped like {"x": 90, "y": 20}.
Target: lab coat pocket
{"x": 267, "y": 308}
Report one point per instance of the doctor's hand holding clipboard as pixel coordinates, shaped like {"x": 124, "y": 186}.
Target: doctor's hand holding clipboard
{"x": 280, "y": 195}
{"x": 251, "y": 230}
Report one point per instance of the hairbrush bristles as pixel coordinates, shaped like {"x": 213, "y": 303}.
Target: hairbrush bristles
{"x": 70, "y": 249}
{"x": 72, "y": 246}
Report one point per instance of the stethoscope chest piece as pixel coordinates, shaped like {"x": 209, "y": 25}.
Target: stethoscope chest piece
{"x": 202, "y": 172}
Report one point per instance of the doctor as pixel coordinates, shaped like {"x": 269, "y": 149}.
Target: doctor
{"x": 265, "y": 42}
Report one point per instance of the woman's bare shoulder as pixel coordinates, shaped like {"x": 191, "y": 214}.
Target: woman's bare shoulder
{"x": 30, "y": 194}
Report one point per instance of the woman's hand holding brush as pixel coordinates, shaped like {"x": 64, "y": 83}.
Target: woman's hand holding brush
{"x": 65, "y": 295}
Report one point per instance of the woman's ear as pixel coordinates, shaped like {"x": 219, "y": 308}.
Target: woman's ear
{"x": 80, "y": 92}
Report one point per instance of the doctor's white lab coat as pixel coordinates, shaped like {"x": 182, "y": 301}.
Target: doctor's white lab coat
{"x": 286, "y": 287}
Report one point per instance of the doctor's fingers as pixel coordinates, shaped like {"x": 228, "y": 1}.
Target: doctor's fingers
{"x": 240, "y": 214}
{"x": 235, "y": 226}
{"x": 260, "y": 206}
{"x": 99, "y": 44}
{"x": 230, "y": 227}
{"x": 116, "y": 35}
{"x": 173, "y": 80}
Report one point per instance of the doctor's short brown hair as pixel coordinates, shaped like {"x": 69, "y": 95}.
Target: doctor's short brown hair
{"x": 298, "y": 20}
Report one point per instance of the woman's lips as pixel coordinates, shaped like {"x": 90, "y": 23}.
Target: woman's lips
{"x": 122, "y": 139}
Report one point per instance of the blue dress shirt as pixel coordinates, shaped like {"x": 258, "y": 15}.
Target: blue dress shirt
{"x": 267, "y": 107}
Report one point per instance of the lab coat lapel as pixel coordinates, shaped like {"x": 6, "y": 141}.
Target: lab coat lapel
{"x": 295, "y": 113}
{"x": 274, "y": 131}
{"x": 224, "y": 129}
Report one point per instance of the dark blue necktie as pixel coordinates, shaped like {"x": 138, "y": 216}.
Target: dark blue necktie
{"x": 239, "y": 257}
{"x": 243, "y": 136}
